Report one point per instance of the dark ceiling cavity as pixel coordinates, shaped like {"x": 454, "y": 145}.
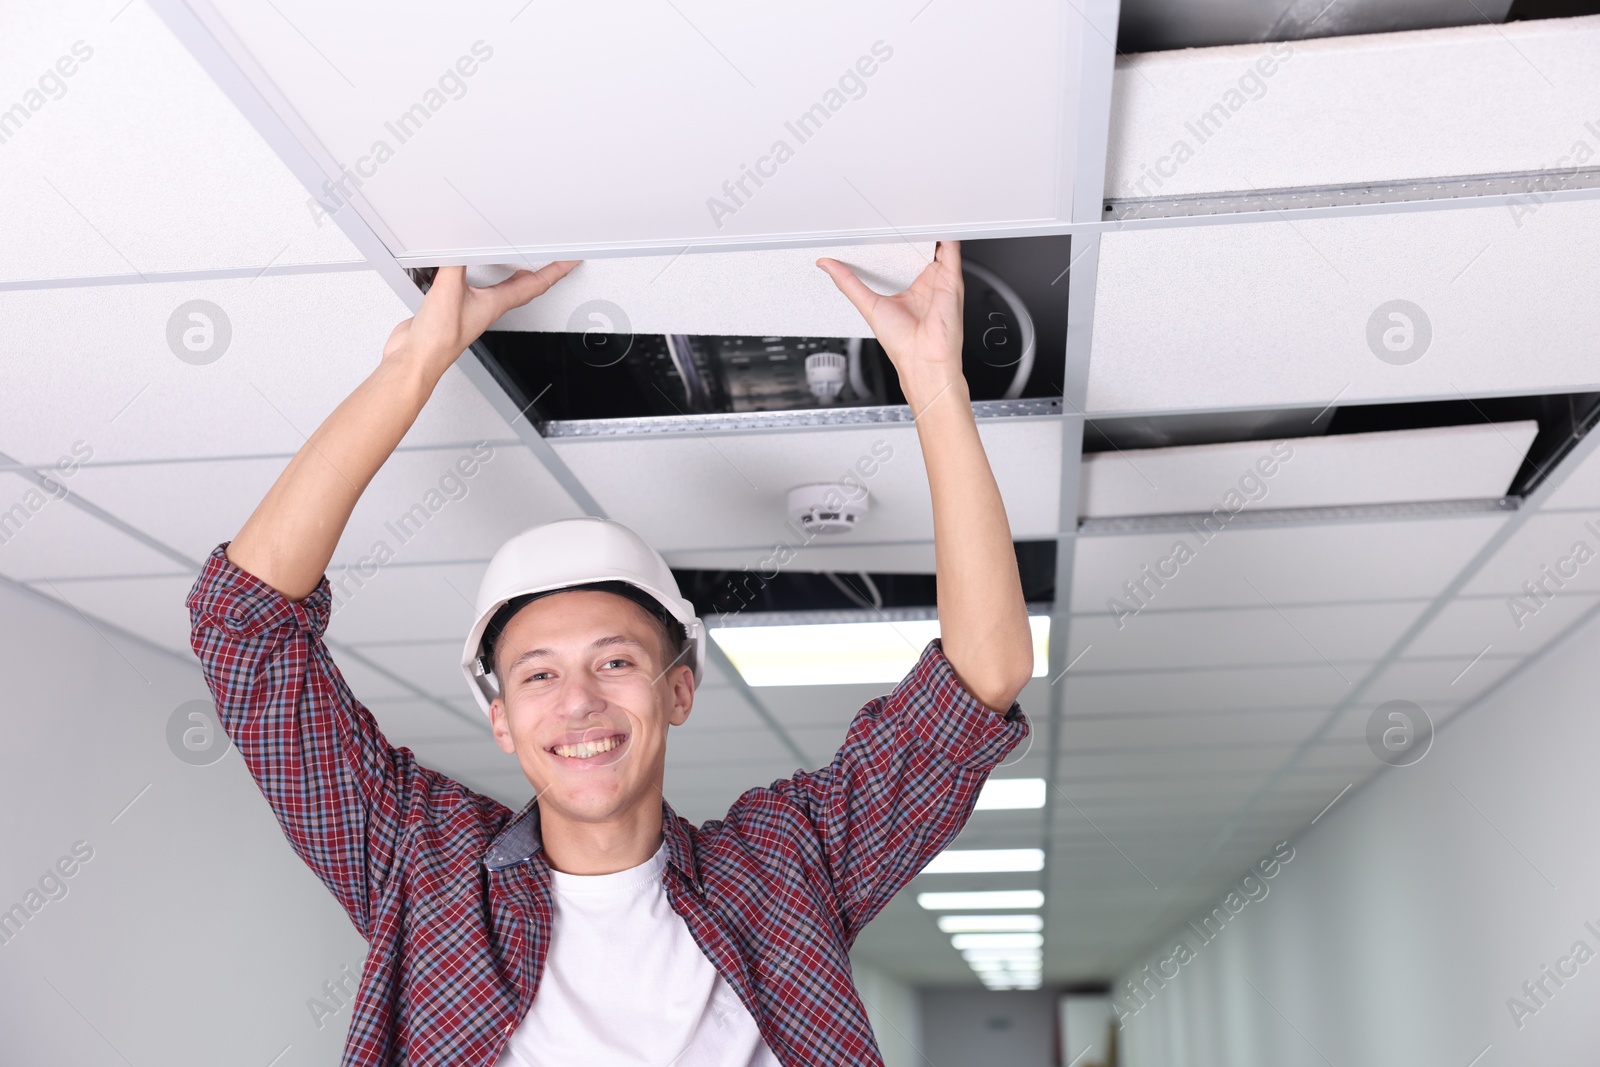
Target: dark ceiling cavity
{"x": 749, "y": 589}
{"x": 576, "y": 376}
{"x": 1160, "y": 25}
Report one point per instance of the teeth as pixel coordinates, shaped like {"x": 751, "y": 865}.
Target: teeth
{"x": 587, "y": 749}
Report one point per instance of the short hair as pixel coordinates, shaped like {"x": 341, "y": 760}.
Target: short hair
{"x": 674, "y": 636}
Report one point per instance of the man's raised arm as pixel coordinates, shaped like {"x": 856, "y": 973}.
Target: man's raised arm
{"x": 342, "y": 794}
{"x": 290, "y": 538}
{"x": 983, "y": 619}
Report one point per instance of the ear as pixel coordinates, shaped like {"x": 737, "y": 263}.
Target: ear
{"x": 502, "y": 726}
{"x": 682, "y": 694}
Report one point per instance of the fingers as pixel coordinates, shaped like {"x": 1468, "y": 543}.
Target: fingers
{"x": 948, "y": 252}
{"x": 854, "y": 289}
{"x": 449, "y": 283}
{"x": 524, "y": 285}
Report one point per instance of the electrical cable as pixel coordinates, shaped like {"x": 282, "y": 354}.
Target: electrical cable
{"x": 858, "y": 383}
{"x": 1024, "y": 323}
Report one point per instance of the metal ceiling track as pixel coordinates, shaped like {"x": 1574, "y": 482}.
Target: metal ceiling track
{"x": 1314, "y": 516}
{"x": 756, "y": 421}
{"x": 1536, "y": 186}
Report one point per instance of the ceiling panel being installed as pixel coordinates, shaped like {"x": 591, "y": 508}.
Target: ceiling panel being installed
{"x": 778, "y": 292}
{"x": 743, "y": 126}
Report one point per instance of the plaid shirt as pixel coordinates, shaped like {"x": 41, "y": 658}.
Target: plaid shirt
{"x": 452, "y": 893}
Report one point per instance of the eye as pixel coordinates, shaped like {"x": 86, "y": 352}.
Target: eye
{"x": 618, "y": 659}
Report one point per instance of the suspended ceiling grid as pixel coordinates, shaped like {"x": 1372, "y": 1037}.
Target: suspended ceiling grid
{"x": 1203, "y": 735}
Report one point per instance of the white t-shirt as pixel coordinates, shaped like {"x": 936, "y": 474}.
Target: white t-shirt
{"x": 625, "y": 983}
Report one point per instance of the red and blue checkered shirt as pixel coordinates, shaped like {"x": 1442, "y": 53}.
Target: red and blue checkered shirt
{"x": 452, "y": 893}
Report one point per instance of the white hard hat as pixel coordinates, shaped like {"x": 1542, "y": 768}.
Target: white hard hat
{"x": 567, "y": 553}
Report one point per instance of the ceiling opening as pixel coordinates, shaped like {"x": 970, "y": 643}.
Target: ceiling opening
{"x": 1563, "y": 419}
{"x": 722, "y": 592}
{"x": 1162, "y": 25}
{"x": 1015, "y": 338}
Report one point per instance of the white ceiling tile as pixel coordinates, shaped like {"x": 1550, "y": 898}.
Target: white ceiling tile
{"x": 1558, "y": 552}
{"x": 96, "y": 367}
{"x": 1351, "y": 726}
{"x": 1097, "y": 795}
{"x": 730, "y": 491}
{"x": 193, "y": 186}
{"x": 1468, "y": 626}
{"x": 190, "y": 507}
{"x": 1293, "y": 329}
{"x": 1325, "y": 111}
{"x": 59, "y": 540}
{"x": 1395, "y": 466}
{"x": 691, "y": 747}
{"x": 1157, "y": 639}
{"x": 407, "y": 722}
{"x": 432, "y": 666}
{"x": 1445, "y": 680}
{"x": 1341, "y": 754}
{"x": 1143, "y": 764}
{"x": 1198, "y": 690}
{"x": 459, "y": 184}
{"x": 723, "y": 708}
{"x": 366, "y": 683}
{"x": 420, "y": 505}
{"x": 776, "y": 292}
{"x": 819, "y": 556}
{"x": 152, "y": 607}
{"x": 1189, "y": 731}
{"x": 1347, "y": 561}
{"x": 1579, "y": 488}
{"x": 818, "y": 705}
{"x": 432, "y": 602}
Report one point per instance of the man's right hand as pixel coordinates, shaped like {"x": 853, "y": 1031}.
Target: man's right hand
{"x": 455, "y": 314}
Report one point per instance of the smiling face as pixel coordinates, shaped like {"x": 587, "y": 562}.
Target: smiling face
{"x": 587, "y": 697}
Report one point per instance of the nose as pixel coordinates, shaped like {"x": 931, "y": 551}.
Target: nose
{"x": 580, "y": 696}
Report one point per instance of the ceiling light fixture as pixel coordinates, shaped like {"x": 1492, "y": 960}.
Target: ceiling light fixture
{"x": 849, "y": 653}
{"x": 990, "y": 924}
{"x": 962, "y": 942}
{"x": 985, "y": 861}
{"x": 1005, "y": 793}
{"x": 982, "y": 900}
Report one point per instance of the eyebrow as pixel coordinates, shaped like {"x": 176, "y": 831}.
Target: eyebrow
{"x": 603, "y": 642}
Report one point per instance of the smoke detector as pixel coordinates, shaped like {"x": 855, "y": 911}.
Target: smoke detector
{"x": 827, "y": 507}
{"x": 825, "y": 375}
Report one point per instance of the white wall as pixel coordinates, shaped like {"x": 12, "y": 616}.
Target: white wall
{"x": 974, "y": 1027}
{"x": 193, "y": 935}
{"x": 1419, "y": 905}
{"x": 893, "y": 1010}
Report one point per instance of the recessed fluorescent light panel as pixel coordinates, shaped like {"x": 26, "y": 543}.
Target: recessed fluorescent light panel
{"x": 1003, "y": 793}
{"x": 990, "y": 924}
{"x": 848, "y": 653}
{"x": 985, "y": 860}
{"x": 1000, "y": 899}
{"x": 1004, "y": 941}
{"x": 1019, "y": 968}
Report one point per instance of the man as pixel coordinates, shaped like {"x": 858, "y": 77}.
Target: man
{"x": 596, "y": 926}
